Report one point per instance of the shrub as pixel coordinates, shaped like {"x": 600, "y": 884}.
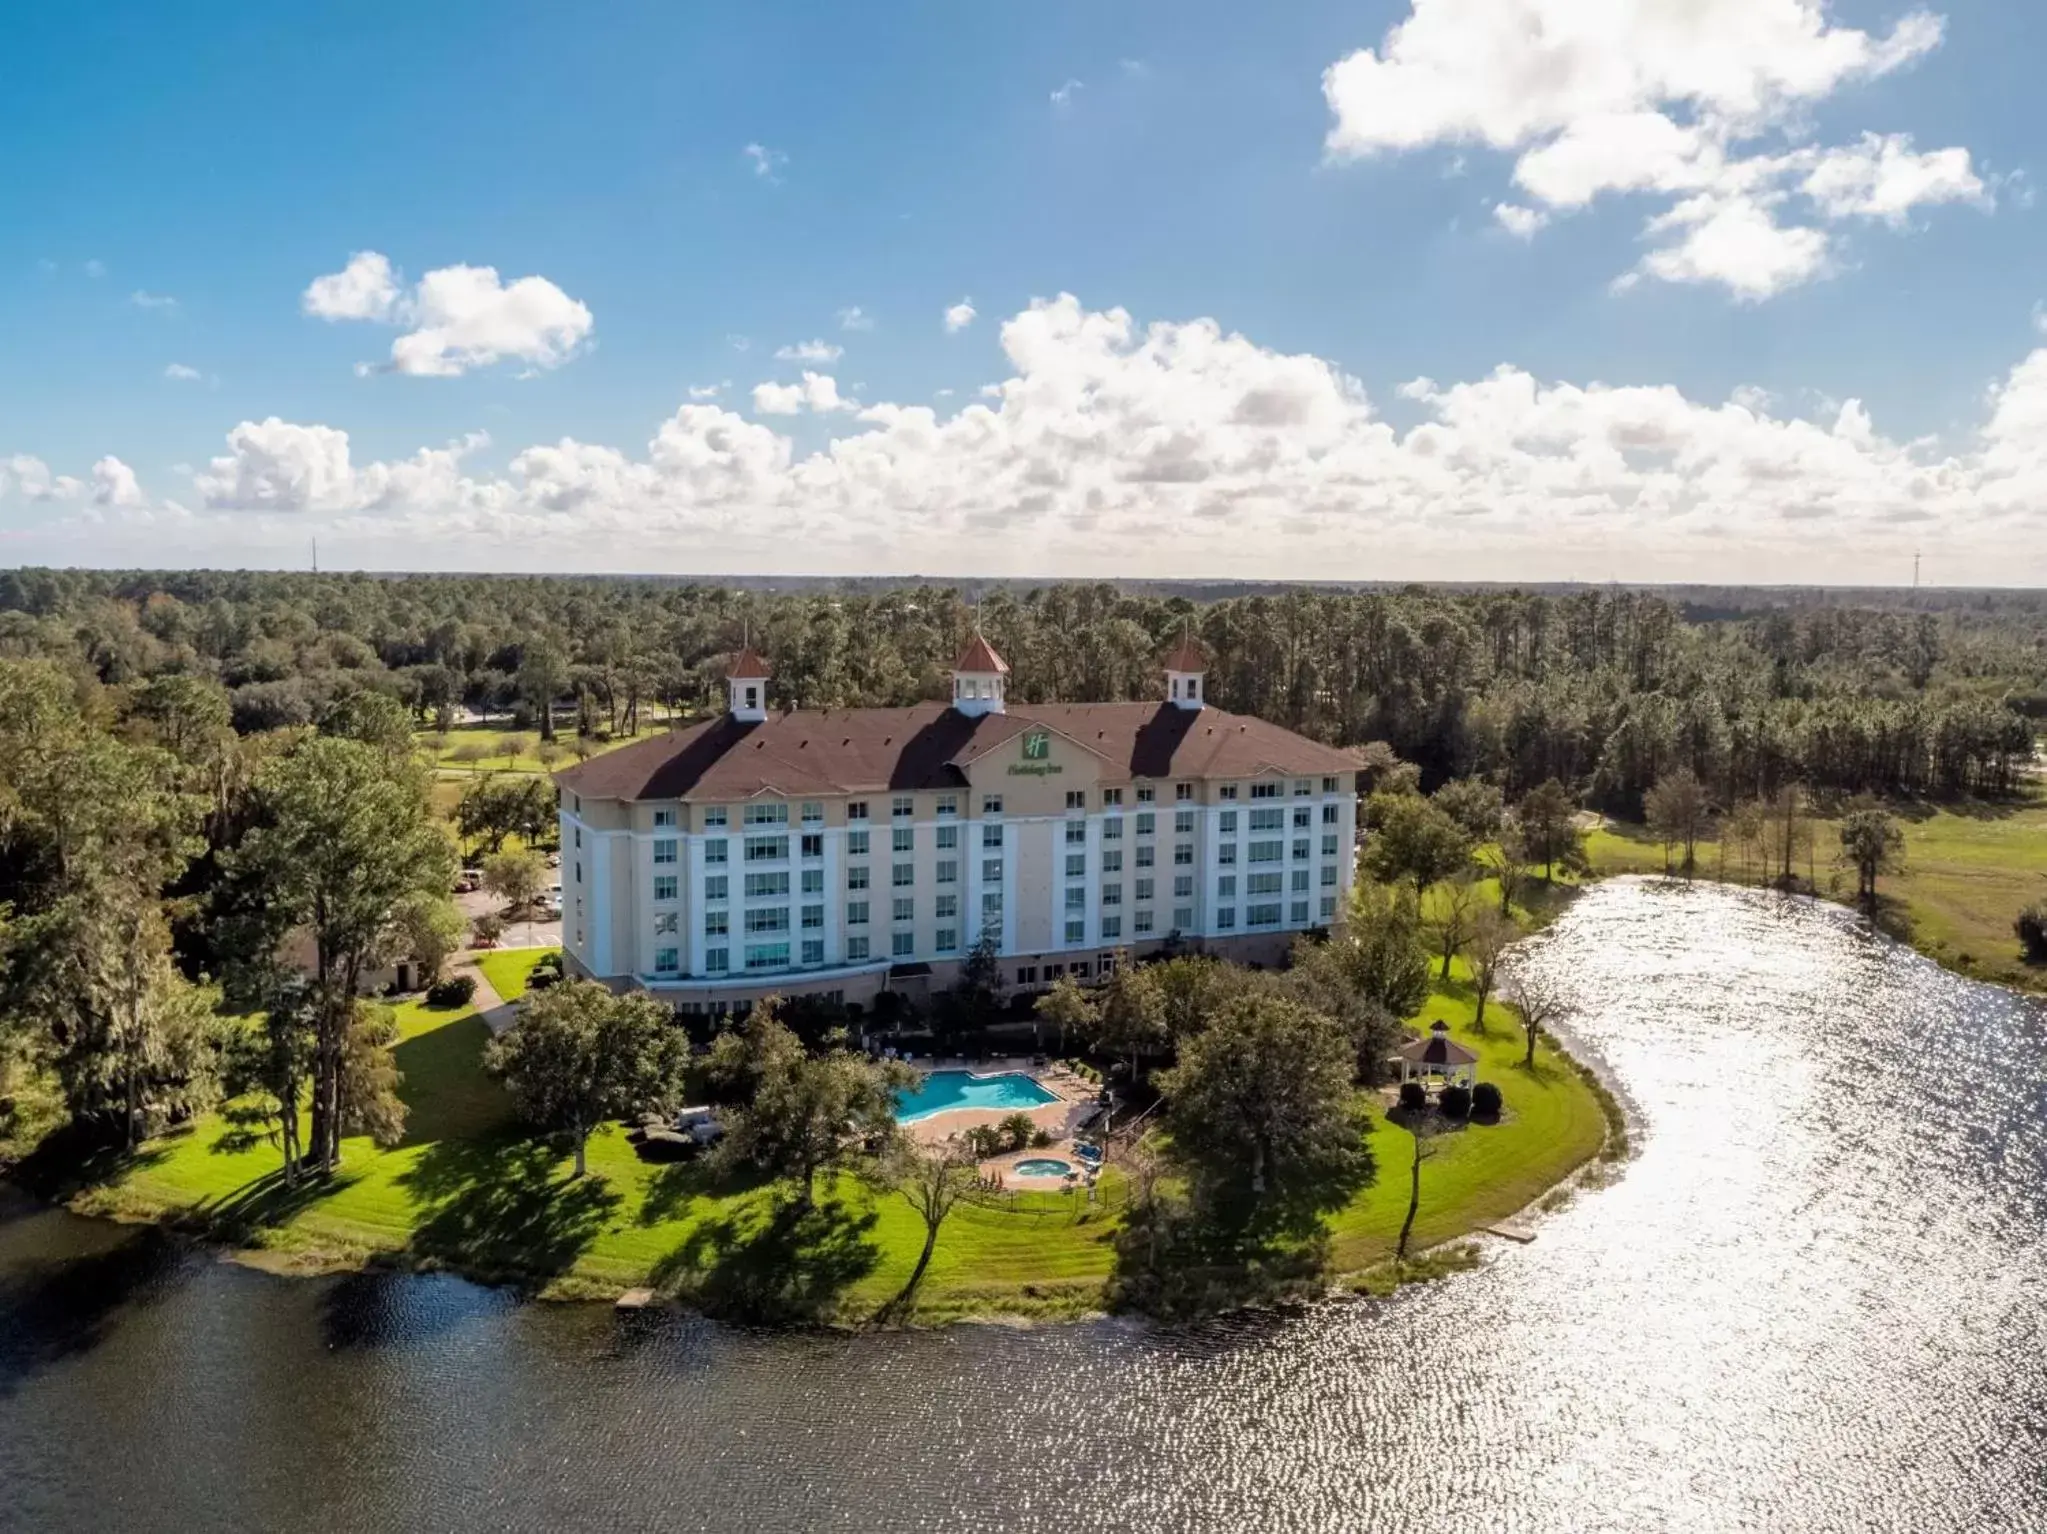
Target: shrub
{"x": 1413, "y": 1096}
{"x": 455, "y": 991}
{"x": 1454, "y": 1101}
{"x": 2032, "y": 930}
{"x": 488, "y": 927}
{"x": 541, "y": 979}
{"x": 1017, "y": 1130}
{"x": 551, "y": 963}
{"x": 1041, "y": 1140}
{"x": 1485, "y": 1101}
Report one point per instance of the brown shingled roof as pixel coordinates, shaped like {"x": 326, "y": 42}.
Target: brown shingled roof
{"x": 929, "y": 746}
{"x": 747, "y": 666}
{"x": 979, "y": 655}
{"x": 1187, "y": 655}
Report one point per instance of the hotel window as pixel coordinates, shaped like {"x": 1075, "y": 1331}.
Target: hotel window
{"x": 767, "y": 956}
{"x": 766, "y": 886}
{"x": 1076, "y": 833}
{"x": 856, "y": 950}
{"x": 948, "y": 838}
{"x": 1112, "y": 894}
{"x": 1328, "y": 875}
{"x": 1266, "y": 852}
{"x": 1303, "y": 818}
{"x": 1329, "y": 846}
{"x": 1183, "y": 917}
{"x": 947, "y": 939}
{"x": 902, "y": 944}
{"x": 1140, "y": 922}
{"x": 766, "y": 815}
{"x": 717, "y": 923}
{"x": 1076, "y": 897}
{"x": 856, "y": 809}
{"x": 948, "y": 870}
{"x": 991, "y": 870}
{"x": 813, "y": 813}
{"x": 1267, "y": 820}
{"x": 1146, "y": 794}
{"x": 905, "y": 908}
{"x": 1299, "y": 883}
{"x": 1265, "y": 914}
{"x": 667, "y": 961}
{"x": 717, "y": 960}
{"x": 1112, "y": 829}
{"x": 664, "y": 850}
{"x": 812, "y": 844}
{"x": 1112, "y": 928}
{"x": 1144, "y": 855}
{"x": 813, "y": 918}
{"x": 1328, "y": 907}
{"x": 766, "y": 849}
{"x": 856, "y": 844}
{"x": 664, "y": 886}
{"x": 1225, "y": 918}
{"x": 1076, "y": 798}
{"x": 1183, "y": 854}
{"x": 1080, "y": 969}
{"x": 1227, "y": 823}
{"x": 715, "y": 887}
{"x": 1303, "y": 787}
{"x": 579, "y": 838}
{"x": 1027, "y": 974}
{"x": 1183, "y": 886}
{"x": 1297, "y": 913}
{"x": 1226, "y": 887}
{"x": 1329, "y": 785}
{"x": 1303, "y": 849}
{"x": 813, "y": 950}
{"x": 1112, "y": 861}
{"x": 903, "y": 806}
{"x": 666, "y": 923}
{"x": 991, "y": 906}
{"x": 1111, "y": 796}
{"x": 900, "y": 874}
{"x": 1266, "y": 790}
{"x": 1182, "y": 792}
{"x": 1262, "y": 884}
{"x": 813, "y": 881}
{"x": 579, "y": 870}
{"x": 1076, "y": 932}
{"x": 1226, "y": 854}
{"x": 946, "y": 908}
{"x": 948, "y": 804}
{"x": 1143, "y": 891}
{"x": 774, "y": 918}
{"x": 991, "y": 804}
{"x": 714, "y": 817}
{"x": 856, "y": 913}
{"x": 856, "y": 877}
{"x": 991, "y": 836}
{"x": 1146, "y": 822}
{"x": 1329, "y": 815}
{"x": 663, "y": 819}
{"x": 903, "y": 839}
{"x": 1076, "y": 865}
{"x": 1227, "y": 791}
{"x": 1183, "y": 822}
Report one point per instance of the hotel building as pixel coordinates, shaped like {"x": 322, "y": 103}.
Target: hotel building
{"x": 850, "y": 851}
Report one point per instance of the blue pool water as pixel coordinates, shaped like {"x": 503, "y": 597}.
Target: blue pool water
{"x": 943, "y": 1091}
{"x": 1042, "y": 1166}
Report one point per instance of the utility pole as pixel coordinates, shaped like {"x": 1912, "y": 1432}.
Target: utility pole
{"x": 1915, "y": 569}
{"x": 316, "y": 554}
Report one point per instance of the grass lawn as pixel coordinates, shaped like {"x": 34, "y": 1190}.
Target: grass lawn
{"x": 507, "y": 969}
{"x": 1968, "y": 870}
{"x": 467, "y": 1189}
{"x": 471, "y": 748}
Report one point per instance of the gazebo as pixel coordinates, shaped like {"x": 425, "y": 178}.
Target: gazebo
{"x": 1437, "y": 1057}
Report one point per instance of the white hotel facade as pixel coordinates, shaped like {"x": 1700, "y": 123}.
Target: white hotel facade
{"x": 850, "y": 851}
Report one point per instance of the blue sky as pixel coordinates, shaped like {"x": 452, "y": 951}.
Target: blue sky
{"x": 178, "y": 176}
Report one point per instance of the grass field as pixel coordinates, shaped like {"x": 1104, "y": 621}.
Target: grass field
{"x": 507, "y": 969}
{"x": 467, "y": 1189}
{"x": 1967, "y": 872}
{"x": 470, "y": 748}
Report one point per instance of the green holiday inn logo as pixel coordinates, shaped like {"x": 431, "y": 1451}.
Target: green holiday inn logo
{"x": 1037, "y": 757}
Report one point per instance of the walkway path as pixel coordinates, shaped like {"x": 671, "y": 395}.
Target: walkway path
{"x": 498, "y": 1014}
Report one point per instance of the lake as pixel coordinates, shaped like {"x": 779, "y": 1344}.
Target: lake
{"x": 1814, "y": 1300}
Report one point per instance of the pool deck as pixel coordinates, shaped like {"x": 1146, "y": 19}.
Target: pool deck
{"x": 1076, "y": 1097}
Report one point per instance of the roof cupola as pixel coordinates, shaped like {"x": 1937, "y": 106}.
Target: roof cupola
{"x": 980, "y": 678}
{"x": 746, "y": 686}
{"x": 1186, "y": 672}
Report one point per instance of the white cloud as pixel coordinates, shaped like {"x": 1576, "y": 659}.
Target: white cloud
{"x": 817, "y": 392}
{"x": 855, "y": 318}
{"x": 959, "y": 316}
{"x": 767, "y": 163}
{"x": 27, "y": 476}
{"x": 709, "y": 391}
{"x": 1656, "y": 98}
{"x": 179, "y": 373}
{"x": 113, "y": 484}
{"x": 810, "y": 351}
{"x": 461, "y": 317}
{"x": 1062, "y": 98}
{"x": 1518, "y": 221}
{"x": 277, "y": 465}
{"x": 162, "y": 302}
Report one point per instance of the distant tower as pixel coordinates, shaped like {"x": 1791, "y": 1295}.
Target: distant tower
{"x": 1186, "y": 672}
{"x": 980, "y": 677}
{"x": 1915, "y": 569}
{"x": 316, "y": 554}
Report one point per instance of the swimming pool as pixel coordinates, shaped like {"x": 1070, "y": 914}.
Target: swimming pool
{"x": 945, "y": 1091}
{"x": 1043, "y": 1166}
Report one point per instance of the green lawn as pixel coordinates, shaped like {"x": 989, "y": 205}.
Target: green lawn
{"x": 507, "y": 969}
{"x": 1968, "y": 870}
{"x": 494, "y": 748}
{"x": 467, "y": 1189}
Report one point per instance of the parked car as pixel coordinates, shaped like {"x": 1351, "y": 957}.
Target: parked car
{"x": 468, "y": 882}
{"x": 700, "y": 1124}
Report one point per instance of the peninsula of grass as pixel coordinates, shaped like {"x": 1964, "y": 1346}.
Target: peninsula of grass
{"x": 1968, "y": 870}
{"x": 471, "y": 1191}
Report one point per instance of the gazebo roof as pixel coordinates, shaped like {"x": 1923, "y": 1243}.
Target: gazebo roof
{"x": 1438, "y": 1049}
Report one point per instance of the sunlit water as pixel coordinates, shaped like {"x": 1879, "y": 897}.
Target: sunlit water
{"x": 1813, "y": 1301}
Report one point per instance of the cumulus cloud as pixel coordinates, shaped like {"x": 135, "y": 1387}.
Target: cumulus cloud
{"x": 457, "y": 317}
{"x": 178, "y": 372}
{"x": 1062, "y": 97}
{"x": 1518, "y": 221}
{"x": 810, "y": 351}
{"x": 1651, "y": 98}
{"x": 959, "y": 316}
{"x": 853, "y": 317}
{"x": 113, "y": 484}
{"x": 767, "y": 163}
{"x": 817, "y": 391}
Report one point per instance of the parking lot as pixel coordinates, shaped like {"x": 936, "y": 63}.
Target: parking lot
{"x": 518, "y": 934}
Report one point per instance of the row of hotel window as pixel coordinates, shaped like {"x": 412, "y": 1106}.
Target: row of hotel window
{"x": 760, "y": 957}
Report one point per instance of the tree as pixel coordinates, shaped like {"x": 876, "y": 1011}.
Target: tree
{"x": 1678, "y": 812}
{"x": 345, "y": 839}
{"x": 1379, "y": 948}
{"x": 1130, "y": 1016}
{"x": 1457, "y": 908}
{"x": 932, "y": 1180}
{"x": 1411, "y": 838}
{"x": 580, "y": 1055}
{"x": 1423, "y": 1124}
{"x": 1501, "y": 858}
{"x": 796, "y": 1115}
{"x": 426, "y": 929}
{"x": 1191, "y": 986}
{"x": 1067, "y": 1007}
{"x": 1476, "y": 806}
{"x": 1261, "y": 1102}
{"x": 974, "y": 1000}
{"x": 1491, "y": 936}
{"x": 1539, "y": 1001}
{"x": 1744, "y": 832}
{"x": 1549, "y": 832}
{"x": 1872, "y": 844}
{"x": 543, "y": 673}
{"x": 1786, "y": 831}
{"x": 515, "y": 877}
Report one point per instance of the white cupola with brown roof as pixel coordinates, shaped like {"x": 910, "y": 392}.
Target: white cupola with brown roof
{"x": 980, "y": 678}
{"x": 746, "y": 686}
{"x": 1186, "y": 673}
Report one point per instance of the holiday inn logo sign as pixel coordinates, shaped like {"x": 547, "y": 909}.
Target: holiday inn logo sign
{"x": 1037, "y": 757}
